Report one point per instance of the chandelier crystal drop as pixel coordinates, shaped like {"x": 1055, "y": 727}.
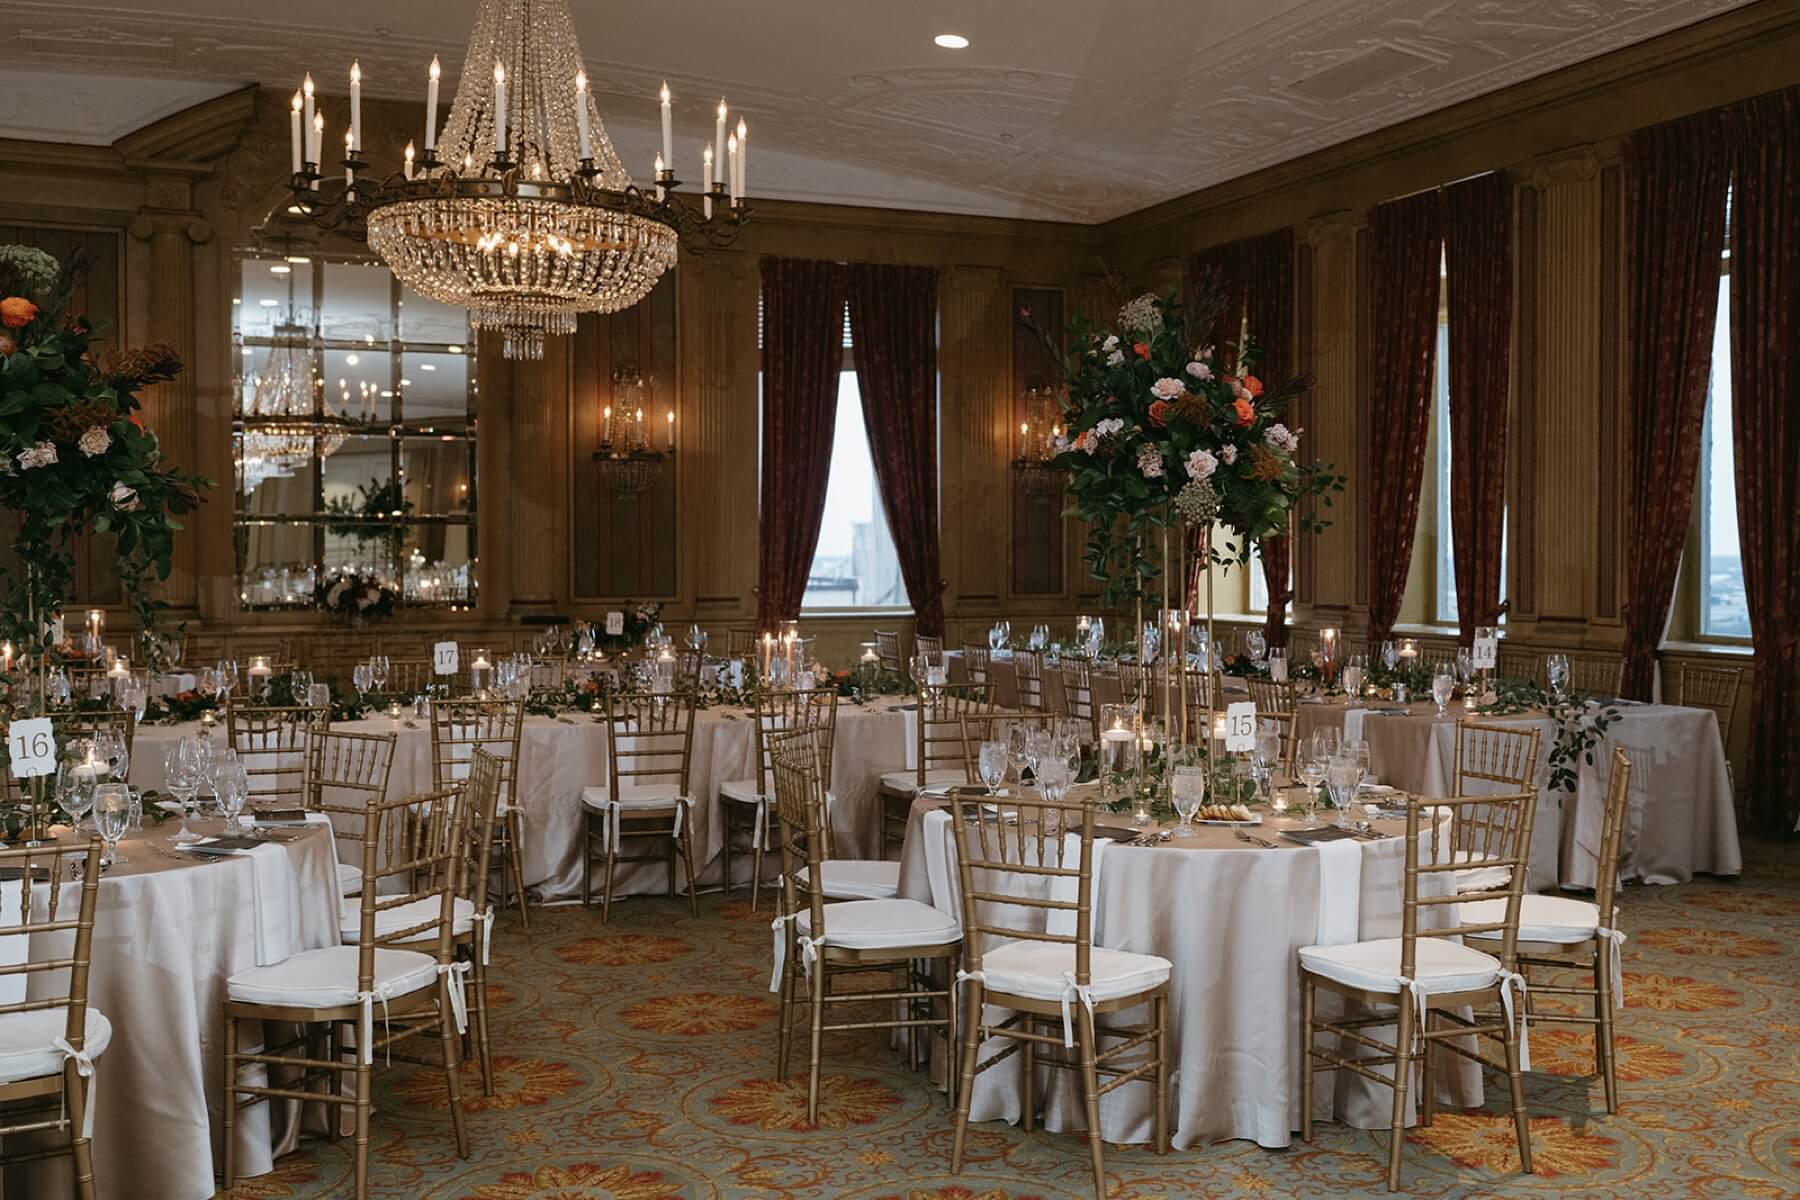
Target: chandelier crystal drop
{"x": 521, "y": 211}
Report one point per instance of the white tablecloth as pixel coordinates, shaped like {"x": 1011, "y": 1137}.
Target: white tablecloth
{"x": 1681, "y": 819}
{"x": 1231, "y": 919}
{"x": 560, "y": 756}
{"x": 167, "y": 934}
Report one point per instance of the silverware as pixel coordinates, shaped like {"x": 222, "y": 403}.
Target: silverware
{"x": 1265, "y": 843}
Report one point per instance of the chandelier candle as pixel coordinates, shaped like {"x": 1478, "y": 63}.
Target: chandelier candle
{"x": 299, "y": 155}
{"x": 306, "y": 90}
{"x": 731, "y": 150}
{"x": 409, "y": 161}
{"x": 355, "y": 137}
{"x": 743, "y": 158}
{"x": 500, "y": 155}
{"x": 431, "y": 107}
{"x": 581, "y": 116}
{"x": 660, "y": 170}
{"x": 318, "y": 140}
{"x": 668, "y": 128}
{"x": 706, "y": 180}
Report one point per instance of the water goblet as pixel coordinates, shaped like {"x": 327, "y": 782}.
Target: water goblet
{"x": 1017, "y": 739}
{"x": 75, "y": 783}
{"x": 1313, "y": 768}
{"x": 1556, "y": 668}
{"x": 991, "y": 762}
{"x": 360, "y": 679}
{"x": 1442, "y": 688}
{"x": 234, "y": 791}
{"x": 228, "y": 676}
{"x": 1342, "y": 777}
{"x": 1053, "y": 780}
{"x": 1255, "y": 644}
{"x": 181, "y": 775}
{"x": 1187, "y": 788}
{"x": 379, "y": 667}
{"x": 112, "y": 817}
{"x": 1465, "y": 665}
{"x": 1390, "y": 654}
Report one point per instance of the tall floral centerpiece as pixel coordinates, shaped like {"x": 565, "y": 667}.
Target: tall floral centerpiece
{"x": 75, "y": 458}
{"x": 1159, "y": 436}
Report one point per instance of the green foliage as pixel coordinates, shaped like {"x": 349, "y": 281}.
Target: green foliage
{"x": 370, "y": 516}
{"x": 1581, "y": 724}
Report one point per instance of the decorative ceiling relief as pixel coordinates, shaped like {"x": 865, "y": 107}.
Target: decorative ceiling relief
{"x": 1065, "y": 116}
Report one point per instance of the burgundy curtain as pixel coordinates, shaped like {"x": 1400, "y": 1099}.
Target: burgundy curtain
{"x": 1675, "y": 216}
{"x": 803, "y": 352}
{"x": 1223, "y": 266}
{"x": 893, "y": 325}
{"x": 1268, "y": 298}
{"x": 1478, "y": 251}
{"x": 1765, "y": 426}
{"x": 1405, "y": 252}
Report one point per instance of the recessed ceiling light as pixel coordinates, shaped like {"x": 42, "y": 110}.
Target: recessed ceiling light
{"x": 281, "y": 269}
{"x": 951, "y": 41}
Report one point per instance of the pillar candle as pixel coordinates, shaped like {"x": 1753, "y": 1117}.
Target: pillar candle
{"x": 431, "y": 105}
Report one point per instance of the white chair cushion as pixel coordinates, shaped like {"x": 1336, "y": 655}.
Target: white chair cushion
{"x": 859, "y": 879}
{"x": 405, "y": 916}
{"x": 349, "y": 879}
{"x": 1541, "y": 918}
{"x": 744, "y": 791}
{"x": 1479, "y": 879}
{"x": 882, "y": 925}
{"x": 1442, "y": 966}
{"x": 25, "y": 1037}
{"x": 936, "y": 777}
{"x": 327, "y": 978}
{"x": 1036, "y": 971}
{"x": 649, "y": 798}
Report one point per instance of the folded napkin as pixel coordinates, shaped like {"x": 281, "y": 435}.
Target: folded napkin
{"x": 1353, "y": 723}
{"x": 940, "y": 863}
{"x": 1340, "y": 891}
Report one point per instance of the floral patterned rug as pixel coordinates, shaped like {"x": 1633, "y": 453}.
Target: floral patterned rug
{"x": 636, "y": 1062}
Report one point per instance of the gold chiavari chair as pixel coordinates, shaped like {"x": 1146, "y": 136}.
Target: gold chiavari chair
{"x": 345, "y": 773}
{"x": 52, "y": 1039}
{"x": 83, "y": 726}
{"x": 1489, "y": 758}
{"x": 740, "y": 643}
{"x": 410, "y": 676}
{"x": 1519, "y": 664}
{"x": 1714, "y": 688}
{"x": 482, "y": 794}
{"x": 409, "y": 900}
{"x": 1036, "y": 859}
{"x": 887, "y": 648}
{"x": 1276, "y": 702}
{"x": 746, "y": 801}
{"x": 975, "y": 662}
{"x": 458, "y": 727}
{"x": 1427, "y": 972}
{"x": 1596, "y": 677}
{"x": 937, "y": 754}
{"x": 649, "y": 756}
{"x": 819, "y": 943}
{"x": 271, "y": 744}
{"x": 996, "y": 726}
{"x": 1563, "y": 934}
{"x": 1078, "y": 695}
{"x": 687, "y": 669}
{"x": 926, "y": 644}
{"x": 1029, "y": 664}
{"x": 548, "y": 676}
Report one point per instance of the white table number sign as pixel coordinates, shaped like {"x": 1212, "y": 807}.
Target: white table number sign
{"x": 1487, "y": 652}
{"x": 615, "y": 624}
{"x": 32, "y": 746}
{"x": 443, "y": 658}
{"x": 1240, "y": 727}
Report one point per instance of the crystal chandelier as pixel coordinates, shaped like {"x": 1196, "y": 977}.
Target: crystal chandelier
{"x": 521, "y": 211}
{"x": 280, "y": 424}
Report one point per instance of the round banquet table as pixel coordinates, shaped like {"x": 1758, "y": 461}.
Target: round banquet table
{"x": 559, "y": 756}
{"x": 1680, "y": 815}
{"x": 1230, "y": 917}
{"x": 167, "y": 934}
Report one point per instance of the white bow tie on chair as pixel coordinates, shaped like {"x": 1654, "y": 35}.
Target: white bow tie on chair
{"x": 459, "y": 1002}
{"x": 1073, "y": 990}
{"x": 1617, "y": 938}
{"x": 809, "y": 949}
{"x": 1508, "y": 981}
{"x": 486, "y": 921}
{"x": 84, "y": 1067}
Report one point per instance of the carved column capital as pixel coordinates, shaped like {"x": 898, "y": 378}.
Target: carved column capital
{"x": 1327, "y": 228}
{"x": 1572, "y": 165}
{"x": 152, "y": 223}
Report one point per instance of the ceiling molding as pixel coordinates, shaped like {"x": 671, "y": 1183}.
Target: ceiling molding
{"x": 207, "y": 131}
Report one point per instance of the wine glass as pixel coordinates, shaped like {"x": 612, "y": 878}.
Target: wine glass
{"x": 134, "y": 695}
{"x": 1465, "y": 665}
{"x": 1187, "y": 788}
{"x": 360, "y": 679}
{"x": 991, "y": 761}
{"x": 207, "y": 683}
{"x": 994, "y": 637}
{"x": 228, "y": 676}
{"x": 1006, "y": 633}
{"x": 1556, "y": 666}
{"x": 1256, "y": 644}
{"x": 1442, "y": 688}
{"x": 1354, "y": 672}
{"x": 1390, "y": 654}
{"x": 1312, "y": 773}
{"x": 1342, "y": 776}
{"x": 301, "y": 682}
{"x": 379, "y": 667}
{"x": 1326, "y": 741}
{"x": 112, "y": 816}
{"x": 181, "y": 775}
{"x": 1265, "y": 756}
{"x": 1358, "y": 753}
{"x": 1016, "y": 741}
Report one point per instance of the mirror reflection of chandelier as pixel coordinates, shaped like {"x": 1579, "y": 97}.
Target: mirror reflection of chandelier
{"x": 521, "y": 212}
{"x": 281, "y": 423}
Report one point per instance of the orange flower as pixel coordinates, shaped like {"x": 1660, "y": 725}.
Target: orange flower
{"x": 1253, "y": 385}
{"x": 1246, "y": 411}
{"x": 1159, "y": 413}
{"x": 16, "y": 311}
{"x": 7, "y": 345}
{"x": 1142, "y": 350}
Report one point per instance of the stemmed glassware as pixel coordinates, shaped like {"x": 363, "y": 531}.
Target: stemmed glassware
{"x": 227, "y": 672}
{"x": 1342, "y": 776}
{"x": 1053, "y": 779}
{"x": 75, "y": 783}
{"x": 1465, "y": 665}
{"x": 109, "y": 748}
{"x": 696, "y": 638}
{"x": 1313, "y": 768}
{"x": 1264, "y": 757}
{"x": 1442, "y": 688}
{"x": 112, "y": 816}
{"x": 134, "y": 696}
{"x": 1255, "y": 644}
{"x": 991, "y": 762}
{"x": 182, "y": 776}
{"x": 301, "y": 683}
{"x": 1390, "y": 654}
{"x": 1556, "y": 667}
{"x": 233, "y": 786}
{"x": 1354, "y": 672}
{"x": 1017, "y": 741}
{"x": 362, "y": 679}
{"x": 378, "y": 671}
{"x": 1187, "y": 788}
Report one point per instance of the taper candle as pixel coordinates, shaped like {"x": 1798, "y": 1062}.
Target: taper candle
{"x": 431, "y": 105}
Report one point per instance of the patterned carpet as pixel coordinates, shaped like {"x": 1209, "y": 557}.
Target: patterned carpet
{"x": 636, "y": 1063}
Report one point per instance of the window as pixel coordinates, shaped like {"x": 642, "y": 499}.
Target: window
{"x": 354, "y": 435}
{"x": 1442, "y": 532}
{"x": 855, "y": 564}
{"x": 1723, "y": 612}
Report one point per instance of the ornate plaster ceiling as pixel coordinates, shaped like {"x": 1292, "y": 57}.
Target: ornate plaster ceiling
{"x": 1060, "y": 110}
